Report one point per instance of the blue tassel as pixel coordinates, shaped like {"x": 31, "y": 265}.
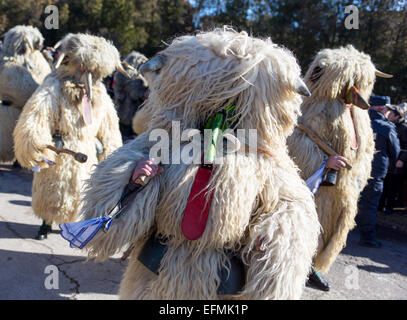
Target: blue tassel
{"x": 80, "y": 233}
{"x": 315, "y": 180}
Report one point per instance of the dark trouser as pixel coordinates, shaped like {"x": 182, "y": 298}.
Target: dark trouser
{"x": 393, "y": 186}
{"x": 367, "y": 209}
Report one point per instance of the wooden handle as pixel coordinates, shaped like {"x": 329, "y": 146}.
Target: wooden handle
{"x": 80, "y": 157}
{"x": 60, "y": 150}
{"x": 142, "y": 180}
{"x": 321, "y": 144}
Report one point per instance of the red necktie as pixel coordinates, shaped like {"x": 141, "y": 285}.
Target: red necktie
{"x": 198, "y": 206}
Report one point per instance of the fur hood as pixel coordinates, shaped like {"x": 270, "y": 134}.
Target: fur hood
{"x": 335, "y": 69}
{"x": 204, "y": 73}
{"x": 22, "y": 40}
{"x": 88, "y": 52}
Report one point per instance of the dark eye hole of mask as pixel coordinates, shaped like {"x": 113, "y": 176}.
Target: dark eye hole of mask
{"x": 38, "y": 46}
{"x": 316, "y": 74}
{"x": 21, "y": 51}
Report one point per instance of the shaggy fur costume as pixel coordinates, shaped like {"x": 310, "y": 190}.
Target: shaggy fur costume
{"x": 324, "y": 112}
{"x": 56, "y": 105}
{"x": 259, "y": 197}
{"x": 22, "y": 69}
{"x": 129, "y": 94}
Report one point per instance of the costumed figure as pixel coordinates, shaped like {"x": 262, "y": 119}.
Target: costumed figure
{"x": 245, "y": 227}
{"x": 335, "y": 139}
{"x": 129, "y": 94}
{"x": 67, "y": 126}
{"x": 22, "y": 68}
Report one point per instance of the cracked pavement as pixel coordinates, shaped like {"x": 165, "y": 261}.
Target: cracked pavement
{"x": 23, "y": 259}
{"x": 358, "y": 273}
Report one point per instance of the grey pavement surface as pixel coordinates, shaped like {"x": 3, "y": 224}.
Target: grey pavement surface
{"x": 358, "y": 273}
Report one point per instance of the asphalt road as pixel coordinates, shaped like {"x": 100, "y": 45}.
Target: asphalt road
{"x": 50, "y": 269}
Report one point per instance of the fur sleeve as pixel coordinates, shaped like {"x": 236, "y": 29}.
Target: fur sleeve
{"x": 109, "y": 132}
{"x": 103, "y": 190}
{"x": 33, "y": 130}
{"x": 288, "y": 231}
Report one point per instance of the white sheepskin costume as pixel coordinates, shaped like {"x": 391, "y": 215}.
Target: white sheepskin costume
{"x": 22, "y": 69}
{"x": 254, "y": 197}
{"x": 56, "y": 106}
{"x": 324, "y": 112}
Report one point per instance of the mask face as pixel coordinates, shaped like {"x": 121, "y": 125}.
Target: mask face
{"x": 351, "y": 95}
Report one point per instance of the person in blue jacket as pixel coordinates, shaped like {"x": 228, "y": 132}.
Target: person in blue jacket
{"x": 394, "y": 182}
{"x": 387, "y": 150}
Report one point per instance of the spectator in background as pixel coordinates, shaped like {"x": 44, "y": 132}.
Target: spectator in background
{"x": 394, "y": 181}
{"x": 387, "y": 150}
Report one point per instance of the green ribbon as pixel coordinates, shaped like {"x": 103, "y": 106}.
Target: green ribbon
{"x": 220, "y": 122}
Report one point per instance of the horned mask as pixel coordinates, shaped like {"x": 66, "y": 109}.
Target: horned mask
{"x": 85, "y": 60}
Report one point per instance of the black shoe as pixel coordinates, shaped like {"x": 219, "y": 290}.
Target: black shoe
{"x": 370, "y": 243}
{"x": 316, "y": 281}
{"x": 43, "y": 232}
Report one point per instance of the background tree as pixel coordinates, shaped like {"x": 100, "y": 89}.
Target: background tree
{"x": 303, "y": 26}
{"x": 307, "y": 26}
